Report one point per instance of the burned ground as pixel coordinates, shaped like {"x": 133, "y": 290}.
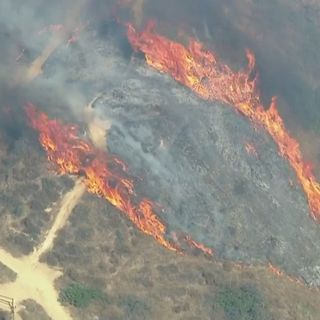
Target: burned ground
{"x": 192, "y": 159}
{"x": 193, "y": 162}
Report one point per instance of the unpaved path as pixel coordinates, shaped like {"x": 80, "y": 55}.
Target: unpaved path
{"x": 35, "y": 68}
{"x": 35, "y": 280}
{"x": 68, "y": 203}
{"x": 57, "y": 38}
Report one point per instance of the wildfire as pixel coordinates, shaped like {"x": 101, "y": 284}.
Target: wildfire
{"x": 104, "y": 175}
{"x": 275, "y": 270}
{"x": 279, "y": 273}
{"x": 198, "y": 245}
{"x": 200, "y": 70}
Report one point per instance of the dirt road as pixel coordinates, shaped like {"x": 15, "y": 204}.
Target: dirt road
{"x": 35, "y": 280}
{"x": 68, "y": 202}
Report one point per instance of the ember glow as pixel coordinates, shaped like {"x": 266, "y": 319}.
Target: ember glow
{"x": 51, "y": 28}
{"x": 276, "y": 270}
{"x": 279, "y": 273}
{"x": 104, "y": 175}
{"x": 251, "y": 149}
{"x": 198, "y": 245}
{"x": 200, "y": 70}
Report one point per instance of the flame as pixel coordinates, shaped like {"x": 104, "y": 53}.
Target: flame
{"x": 279, "y": 273}
{"x": 251, "y": 149}
{"x": 184, "y": 240}
{"x": 104, "y": 175}
{"x": 200, "y": 70}
{"x": 275, "y": 270}
{"x": 198, "y": 245}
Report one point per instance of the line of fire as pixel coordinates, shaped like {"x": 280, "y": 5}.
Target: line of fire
{"x": 105, "y": 175}
{"x": 201, "y": 70}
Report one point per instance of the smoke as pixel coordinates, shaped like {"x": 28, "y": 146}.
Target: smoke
{"x": 189, "y": 155}
{"x": 35, "y": 34}
{"x": 37, "y": 38}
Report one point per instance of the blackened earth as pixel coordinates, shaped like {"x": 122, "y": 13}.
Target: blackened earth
{"x": 192, "y": 158}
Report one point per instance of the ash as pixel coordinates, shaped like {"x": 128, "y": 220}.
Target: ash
{"x": 191, "y": 159}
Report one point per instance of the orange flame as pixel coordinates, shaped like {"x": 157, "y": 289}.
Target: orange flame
{"x": 251, "y": 149}
{"x": 105, "y": 175}
{"x": 202, "y": 72}
{"x": 279, "y": 273}
{"x": 198, "y": 245}
{"x": 276, "y": 270}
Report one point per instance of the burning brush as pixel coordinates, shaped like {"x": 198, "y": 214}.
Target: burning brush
{"x": 104, "y": 175}
{"x": 200, "y": 70}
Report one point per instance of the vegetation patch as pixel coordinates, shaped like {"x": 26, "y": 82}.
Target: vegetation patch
{"x": 134, "y": 308}
{"x": 6, "y": 274}
{"x": 80, "y": 296}
{"x": 241, "y": 303}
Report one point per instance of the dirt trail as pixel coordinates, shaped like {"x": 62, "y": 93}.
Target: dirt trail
{"x": 35, "y": 280}
{"x": 35, "y": 68}
{"x": 56, "y": 40}
{"x": 68, "y": 202}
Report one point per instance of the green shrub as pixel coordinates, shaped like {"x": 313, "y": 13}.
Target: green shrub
{"x": 79, "y": 295}
{"x": 241, "y": 303}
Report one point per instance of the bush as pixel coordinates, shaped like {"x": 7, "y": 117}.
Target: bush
{"x": 134, "y": 308}
{"x": 20, "y": 210}
{"x": 79, "y": 295}
{"x": 4, "y": 315}
{"x": 241, "y": 303}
